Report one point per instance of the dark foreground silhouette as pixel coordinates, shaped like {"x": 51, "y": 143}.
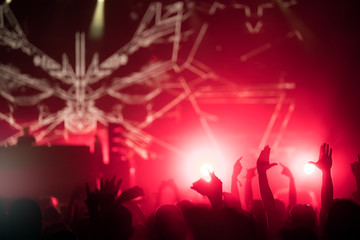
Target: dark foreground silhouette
{"x": 103, "y": 213}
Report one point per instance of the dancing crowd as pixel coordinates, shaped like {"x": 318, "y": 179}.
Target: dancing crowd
{"x": 105, "y": 213}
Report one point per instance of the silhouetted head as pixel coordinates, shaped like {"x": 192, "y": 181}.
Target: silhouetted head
{"x": 343, "y": 220}
{"x": 170, "y": 223}
{"x": 24, "y": 217}
{"x": 118, "y": 223}
{"x": 303, "y": 216}
{"x": 184, "y": 205}
{"x": 233, "y": 224}
{"x": 199, "y": 218}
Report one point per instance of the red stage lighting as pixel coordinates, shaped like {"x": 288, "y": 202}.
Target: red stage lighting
{"x": 54, "y": 201}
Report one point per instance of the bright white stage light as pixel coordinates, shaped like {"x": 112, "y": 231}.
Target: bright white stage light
{"x": 201, "y": 162}
{"x": 205, "y": 170}
{"x": 309, "y": 168}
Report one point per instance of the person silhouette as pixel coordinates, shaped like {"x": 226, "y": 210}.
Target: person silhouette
{"x": 26, "y": 139}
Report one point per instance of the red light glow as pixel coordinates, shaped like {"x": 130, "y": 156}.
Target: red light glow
{"x": 132, "y": 170}
{"x": 54, "y": 201}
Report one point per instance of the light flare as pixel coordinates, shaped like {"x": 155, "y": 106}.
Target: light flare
{"x": 205, "y": 171}
{"x": 309, "y": 168}
{"x": 202, "y": 161}
{"x": 54, "y": 201}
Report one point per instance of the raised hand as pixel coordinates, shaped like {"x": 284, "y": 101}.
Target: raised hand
{"x": 355, "y": 167}
{"x": 237, "y": 168}
{"x": 130, "y": 194}
{"x": 105, "y": 197}
{"x": 267, "y": 196}
{"x": 92, "y": 198}
{"x": 212, "y": 189}
{"x": 110, "y": 188}
{"x": 292, "y": 189}
{"x": 262, "y": 163}
{"x": 286, "y": 171}
{"x": 234, "y": 180}
{"x": 325, "y": 158}
{"x": 208, "y": 188}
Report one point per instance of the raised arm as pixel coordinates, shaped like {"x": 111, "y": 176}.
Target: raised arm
{"x": 248, "y": 187}
{"x": 292, "y": 189}
{"x": 234, "y": 179}
{"x": 324, "y": 164}
{"x": 262, "y": 164}
{"x": 103, "y": 199}
{"x": 212, "y": 190}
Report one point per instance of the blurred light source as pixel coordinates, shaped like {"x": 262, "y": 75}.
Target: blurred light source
{"x": 201, "y": 160}
{"x": 309, "y": 168}
{"x": 205, "y": 171}
{"x": 97, "y": 23}
{"x": 54, "y": 201}
{"x": 5, "y": 1}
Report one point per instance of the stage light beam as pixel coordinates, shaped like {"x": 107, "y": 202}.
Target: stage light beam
{"x": 97, "y": 23}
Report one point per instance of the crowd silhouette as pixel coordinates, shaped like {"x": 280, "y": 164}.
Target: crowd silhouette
{"x": 104, "y": 213}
